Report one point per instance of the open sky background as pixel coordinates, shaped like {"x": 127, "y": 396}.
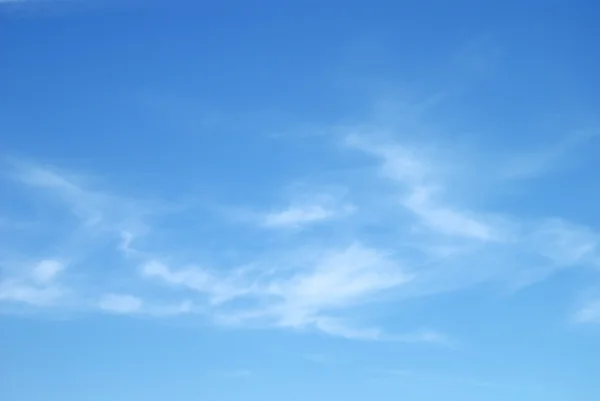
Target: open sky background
{"x": 299, "y": 200}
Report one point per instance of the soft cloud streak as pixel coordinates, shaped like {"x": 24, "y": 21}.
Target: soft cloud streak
{"x": 311, "y": 296}
{"x": 421, "y": 189}
{"x": 15, "y": 291}
{"x": 37, "y": 287}
{"x": 435, "y": 241}
{"x": 308, "y": 210}
{"x": 46, "y": 270}
{"x": 120, "y": 304}
{"x": 296, "y": 216}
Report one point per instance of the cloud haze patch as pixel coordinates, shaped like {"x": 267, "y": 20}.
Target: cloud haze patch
{"x": 46, "y": 270}
{"x": 36, "y": 285}
{"x": 120, "y": 303}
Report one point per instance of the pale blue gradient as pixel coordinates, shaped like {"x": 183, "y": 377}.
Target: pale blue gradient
{"x": 328, "y": 200}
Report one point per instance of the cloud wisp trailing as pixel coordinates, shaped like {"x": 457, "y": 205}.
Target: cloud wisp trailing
{"x": 304, "y": 208}
{"x": 299, "y": 215}
{"x": 436, "y": 241}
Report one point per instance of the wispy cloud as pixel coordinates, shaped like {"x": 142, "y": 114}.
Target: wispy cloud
{"x": 307, "y": 209}
{"x": 312, "y": 296}
{"x": 36, "y": 286}
{"x": 83, "y": 216}
{"x": 295, "y": 216}
{"x": 535, "y": 248}
{"x": 444, "y": 219}
{"x": 218, "y": 288}
{"x": 95, "y": 209}
{"x": 422, "y": 188}
{"x": 16, "y": 291}
{"x": 46, "y": 270}
{"x": 404, "y": 231}
{"x": 121, "y": 304}
{"x": 77, "y": 221}
{"x": 127, "y": 304}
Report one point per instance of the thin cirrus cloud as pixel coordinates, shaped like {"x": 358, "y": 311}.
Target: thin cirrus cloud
{"x": 300, "y": 215}
{"x": 38, "y": 286}
{"x": 41, "y": 296}
{"x": 311, "y": 296}
{"x": 311, "y": 282}
{"x": 127, "y": 304}
{"x": 518, "y": 249}
{"x": 420, "y": 187}
{"x": 98, "y": 214}
{"x": 308, "y": 207}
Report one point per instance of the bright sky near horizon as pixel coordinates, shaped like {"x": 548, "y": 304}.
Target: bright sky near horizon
{"x": 309, "y": 200}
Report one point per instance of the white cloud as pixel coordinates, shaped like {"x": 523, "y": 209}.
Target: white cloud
{"x": 399, "y": 163}
{"x": 37, "y": 288}
{"x": 330, "y": 281}
{"x": 219, "y": 289}
{"x": 316, "y": 290}
{"x": 421, "y": 186}
{"x": 338, "y": 328}
{"x": 295, "y": 216}
{"x": 16, "y": 291}
{"x": 307, "y": 210}
{"x": 120, "y": 304}
{"x": 340, "y": 278}
{"x": 427, "y": 240}
{"x": 47, "y": 270}
{"x": 446, "y": 220}
{"x": 308, "y": 297}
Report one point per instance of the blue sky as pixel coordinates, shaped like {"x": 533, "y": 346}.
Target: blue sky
{"x": 299, "y": 200}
